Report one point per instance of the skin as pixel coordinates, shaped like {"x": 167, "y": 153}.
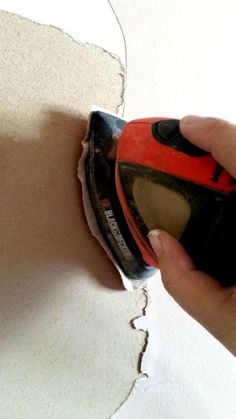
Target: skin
{"x": 196, "y": 292}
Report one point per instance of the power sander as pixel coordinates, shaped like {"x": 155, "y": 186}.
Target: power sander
{"x": 142, "y": 175}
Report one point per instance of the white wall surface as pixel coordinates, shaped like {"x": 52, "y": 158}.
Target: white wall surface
{"x": 180, "y": 60}
{"x": 181, "y": 56}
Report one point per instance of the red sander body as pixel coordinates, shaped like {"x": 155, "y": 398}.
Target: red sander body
{"x": 143, "y": 175}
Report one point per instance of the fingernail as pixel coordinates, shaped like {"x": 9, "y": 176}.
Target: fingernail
{"x": 155, "y": 241}
{"x": 191, "y": 120}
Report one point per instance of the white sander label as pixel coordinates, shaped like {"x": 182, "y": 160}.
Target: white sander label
{"x": 117, "y": 234}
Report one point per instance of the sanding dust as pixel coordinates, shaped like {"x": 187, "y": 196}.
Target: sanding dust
{"x": 67, "y": 348}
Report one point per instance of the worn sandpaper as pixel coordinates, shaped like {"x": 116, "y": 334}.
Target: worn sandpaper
{"x": 91, "y": 216}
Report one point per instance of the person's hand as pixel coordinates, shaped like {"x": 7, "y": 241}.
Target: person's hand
{"x": 196, "y": 292}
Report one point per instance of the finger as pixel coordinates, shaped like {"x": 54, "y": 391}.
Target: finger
{"x": 179, "y": 274}
{"x": 214, "y": 135}
{"x": 196, "y": 292}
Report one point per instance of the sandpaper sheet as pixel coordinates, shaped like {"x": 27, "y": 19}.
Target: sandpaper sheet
{"x": 129, "y": 284}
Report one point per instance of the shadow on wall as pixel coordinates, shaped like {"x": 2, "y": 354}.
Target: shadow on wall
{"x": 44, "y": 233}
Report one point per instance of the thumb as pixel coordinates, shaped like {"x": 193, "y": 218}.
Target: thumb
{"x": 214, "y": 135}
{"x": 196, "y": 292}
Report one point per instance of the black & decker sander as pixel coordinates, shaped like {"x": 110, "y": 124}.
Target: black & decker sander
{"x": 143, "y": 175}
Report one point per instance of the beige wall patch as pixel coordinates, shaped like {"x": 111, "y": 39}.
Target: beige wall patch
{"x": 67, "y": 349}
